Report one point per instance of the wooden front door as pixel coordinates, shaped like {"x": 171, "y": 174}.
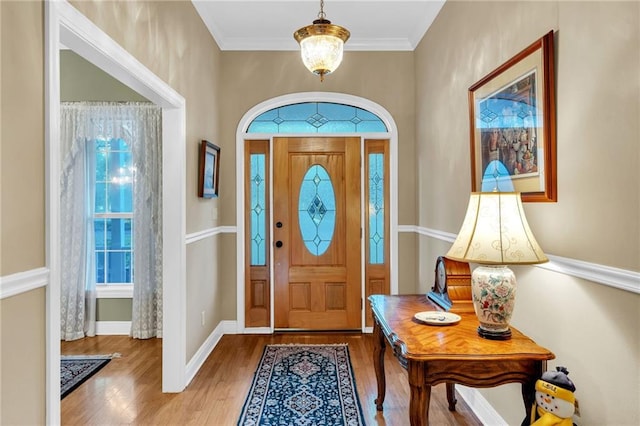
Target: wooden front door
{"x": 317, "y": 233}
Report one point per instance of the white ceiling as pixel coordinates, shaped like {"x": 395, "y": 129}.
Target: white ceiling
{"x": 269, "y": 24}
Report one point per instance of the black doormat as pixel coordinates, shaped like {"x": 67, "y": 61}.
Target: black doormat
{"x": 76, "y": 369}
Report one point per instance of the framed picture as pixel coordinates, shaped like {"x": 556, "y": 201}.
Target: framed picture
{"x": 209, "y": 170}
{"x": 513, "y": 126}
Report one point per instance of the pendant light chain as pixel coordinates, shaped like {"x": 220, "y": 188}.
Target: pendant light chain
{"x": 321, "y": 14}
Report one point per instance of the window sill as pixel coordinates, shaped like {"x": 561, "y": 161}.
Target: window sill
{"x": 114, "y": 291}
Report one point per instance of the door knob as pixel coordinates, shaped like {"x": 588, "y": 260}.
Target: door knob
{"x": 278, "y": 244}
{"x": 278, "y": 224}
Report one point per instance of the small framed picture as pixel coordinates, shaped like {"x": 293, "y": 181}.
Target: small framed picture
{"x": 209, "y": 170}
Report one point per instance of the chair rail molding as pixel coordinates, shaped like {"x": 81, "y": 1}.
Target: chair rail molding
{"x": 22, "y": 282}
{"x": 600, "y": 274}
{"x": 210, "y": 232}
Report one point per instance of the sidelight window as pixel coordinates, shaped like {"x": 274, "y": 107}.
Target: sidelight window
{"x": 257, "y": 208}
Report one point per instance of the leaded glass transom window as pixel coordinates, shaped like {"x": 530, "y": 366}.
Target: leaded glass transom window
{"x": 317, "y": 210}
{"x": 317, "y": 117}
{"x": 376, "y": 208}
{"x": 258, "y": 219}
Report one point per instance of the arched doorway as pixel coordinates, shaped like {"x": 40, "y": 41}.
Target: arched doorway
{"x": 382, "y": 138}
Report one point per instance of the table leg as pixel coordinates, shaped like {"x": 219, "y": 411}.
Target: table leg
{"x": 420, "y": 394}
{"x": 451, "y": 396}
{"x": 378, "y": 362}
{"x": 529, "y": 390}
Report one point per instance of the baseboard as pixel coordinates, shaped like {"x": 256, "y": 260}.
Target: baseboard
{"x": 196, "y": 362}
{"x": 480, "y": 407}
{"x": 114, "y": 328}
{"x": 257, "y": 330}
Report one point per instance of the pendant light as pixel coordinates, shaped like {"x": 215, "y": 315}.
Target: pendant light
{"x": 321, "y": 44}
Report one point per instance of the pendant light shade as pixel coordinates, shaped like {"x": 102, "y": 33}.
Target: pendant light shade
{"x": 321, "y": 44}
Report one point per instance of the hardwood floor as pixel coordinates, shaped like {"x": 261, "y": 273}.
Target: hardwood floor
{"x": 128, "y": 390}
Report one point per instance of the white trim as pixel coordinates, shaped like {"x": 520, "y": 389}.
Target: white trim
{"x": 201, "y": 235}
{"x": 293, "y": 98}
{"x": 113, "y": 328}
{"x": 440, "y": 235}
{"x": 65, "y": 25}
{"x": 407, "y": 228}
{"x": 288, "y": 43}
{"x": 601, "y": 274}
{"x": 52, "y": 23}
{"x": 363, "y": 245}
{"x": 257, "y": 330}
{"x": 201, "y": 355}
{"x": 114, "y": 291}
{"x": 22, "y": 282}
{"x": 480, "y": 406}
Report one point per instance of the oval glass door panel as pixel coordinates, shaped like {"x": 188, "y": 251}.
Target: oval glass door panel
{"x": 317, "y": 210}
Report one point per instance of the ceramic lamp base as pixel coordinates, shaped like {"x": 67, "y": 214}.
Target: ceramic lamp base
{"x": 494, "y": 291}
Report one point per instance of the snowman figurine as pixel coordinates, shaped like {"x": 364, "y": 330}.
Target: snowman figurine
{"x": 555, "y": 399}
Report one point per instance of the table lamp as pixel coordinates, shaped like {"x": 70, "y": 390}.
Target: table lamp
{"x": 494, "y": 234}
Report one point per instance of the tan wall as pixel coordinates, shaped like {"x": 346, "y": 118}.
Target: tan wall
{"x": 592, "y": 329}
{"x": 22, "y": 215}
{"x": 382, "y": 77}
{"x": 22, "y": 219}
{"x": 582, "y": 322}
{"x": 254, "y": 77}
{"x": 170, "y": 39}
{"x": 22, "y": 361}
{"x": 179, "y": 49}
{"x": 80, "y": 80}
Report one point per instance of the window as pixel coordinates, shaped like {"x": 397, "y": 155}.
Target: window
{"x": 317, "y": 210}
{"x": 317, "y": 117}
{"x": 257, "y": 239}
{"x": 258, "y": 209}
{"x": 113, "y": 215}
{"x": 377, "y": 266}
{"x": 376, "y": 202}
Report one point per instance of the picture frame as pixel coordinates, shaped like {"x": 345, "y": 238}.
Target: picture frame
{"x": 208, "y": 170}
{"x": 513, "y": 126}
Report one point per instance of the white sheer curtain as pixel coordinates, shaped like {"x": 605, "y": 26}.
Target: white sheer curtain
{"x": 146, "y": 320}
{"x": 139, "y": 124}
{"x": 77, "y": 304}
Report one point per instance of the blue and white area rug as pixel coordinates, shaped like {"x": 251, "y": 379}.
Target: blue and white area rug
{"x": 76, "y": 369}
{"x": 303, "y": 385}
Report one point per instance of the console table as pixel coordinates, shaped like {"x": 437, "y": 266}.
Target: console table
{"x": 449, "y": 354}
